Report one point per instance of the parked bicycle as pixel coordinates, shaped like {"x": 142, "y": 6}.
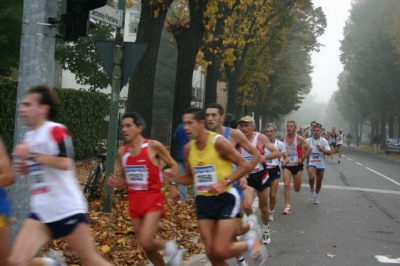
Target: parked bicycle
{"x": 95, "y": 180}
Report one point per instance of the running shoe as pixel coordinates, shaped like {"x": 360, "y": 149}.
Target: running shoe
{"x": 253, "y": 222}
{"x": 266, "y": 238}
{"x": 287, "y": 210}
{"x": 57, "y": 256}
{"x": 241, "y": 263}
{"x": 173, "y": 253}
{"x": 258, "y": 252}
{"x": 271, "y": 216}
{"x": 316, "y": 200}
{"x": 312, "y": 195}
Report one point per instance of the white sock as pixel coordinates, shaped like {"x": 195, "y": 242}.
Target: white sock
{"x": 265, "y": 227}
{"x": 250, "y": 242}
{"x": 49, "y": 262}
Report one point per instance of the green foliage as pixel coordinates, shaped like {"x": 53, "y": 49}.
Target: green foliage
{"x": 82, "y": 59}
{"x": 8, "y": 97}
{"x": 10, "y": 35}
{"x": 81, "y": 112}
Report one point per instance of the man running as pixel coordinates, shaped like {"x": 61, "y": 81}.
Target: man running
{"x": 209, "y": 158}
{"x": 258, "y": 180}
{"x": 316, "y": 163}
{"x": 274, "y": 167}
{"x": 215, "y": 119}
{"x": 58, "y": 205}
{"x": 141, "y": 163}
{"x": 6, "y": 179}
{"x": 339, "y": 144}
{"x": 294, "y": 167}
{"x": 332, "y": 142}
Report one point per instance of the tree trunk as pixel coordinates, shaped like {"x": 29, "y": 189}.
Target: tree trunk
{"x": 210, "y": 95}
{"x": 141, "y": 84}
{"x": 189, "y": 41}
{"x": 383, "y": 128}
{"x": 391, "y": 126}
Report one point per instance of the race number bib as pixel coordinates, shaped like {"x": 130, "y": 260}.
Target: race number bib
{"x": 137, "y": 177}
{"x": 39, "y": 181}
{"x": 205, "y": 176}
{"x": 247, "y": 158}
{"x": 293, "y": 159}
{"x": 315, "y": 157}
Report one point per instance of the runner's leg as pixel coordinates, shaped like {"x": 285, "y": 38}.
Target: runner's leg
{"x": 32, "y": 236}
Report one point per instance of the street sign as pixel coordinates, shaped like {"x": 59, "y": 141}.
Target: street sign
{"x": 109, "y": 15}
{"x": 133, "y": 52}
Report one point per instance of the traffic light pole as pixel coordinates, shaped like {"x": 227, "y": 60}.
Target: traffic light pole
{"x": 36, "y": 66}
{"x": 114, "y": 111}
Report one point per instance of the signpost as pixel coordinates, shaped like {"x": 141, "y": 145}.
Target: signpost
{"x": 109, "y": 15}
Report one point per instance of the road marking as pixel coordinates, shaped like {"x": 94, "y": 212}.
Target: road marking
{"x": 392, "y": 192}
{"x": 349, "y": 159}
{"x": 359, "y": 164}
{"x": 388, "y": 178}
{"x": 386, "y": 259}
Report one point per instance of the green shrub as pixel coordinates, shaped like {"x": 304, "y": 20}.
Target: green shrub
{"x": 81, "y": 111}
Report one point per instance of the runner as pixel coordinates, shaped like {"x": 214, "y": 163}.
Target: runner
{"x": 141, "y": 163}
{"x": 6, "y": 179}
{"x": 339, "y": 144}
{"x": 209, "y": 159}
{"x": 215, "y": 117}
{"x": 274, "y": 167}
{"x": 258, "y": 180}
{"x": 316, "y": 163}
{"x": 332, "y": 142}
{"x": 294, "y": 147}
{"x": 57, "y": 203}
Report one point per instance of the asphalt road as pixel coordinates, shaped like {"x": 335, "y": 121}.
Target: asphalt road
{"x": 358, "y": 217}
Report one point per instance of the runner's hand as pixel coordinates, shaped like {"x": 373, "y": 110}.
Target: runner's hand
{"x": 243, "y": 183}
{"x": 21, "y": 167}
{"x": 115, "y": 182}
{"x": 21, "y": 151}
{"x": 217, "y": 188}
{"x": 174, "y": 193}
{"x": 169, "y": 175}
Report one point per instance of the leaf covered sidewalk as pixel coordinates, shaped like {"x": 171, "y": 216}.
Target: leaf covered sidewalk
{"x": 114, "y": 235}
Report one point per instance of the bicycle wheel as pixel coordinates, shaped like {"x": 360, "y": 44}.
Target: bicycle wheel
{"x": 97, "y": 182}
{"x": 91, "y": 183}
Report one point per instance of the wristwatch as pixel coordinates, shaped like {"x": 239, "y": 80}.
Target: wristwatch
{"x": 173, "y": 184}
{"x": 32, "y": 156}
{"x": 228, "y": 182}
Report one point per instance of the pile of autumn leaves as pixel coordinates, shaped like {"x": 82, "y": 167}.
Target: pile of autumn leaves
{"x": 114, "y": 235}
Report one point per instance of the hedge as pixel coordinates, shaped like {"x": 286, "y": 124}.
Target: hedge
{"x": 81, "y": 111}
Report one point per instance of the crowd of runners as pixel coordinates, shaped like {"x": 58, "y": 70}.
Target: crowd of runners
{"x": 226, "y": 166}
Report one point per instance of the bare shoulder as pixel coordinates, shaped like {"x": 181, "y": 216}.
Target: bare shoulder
{"x": 237, "y": 136}
{"x": 156, "y": 145}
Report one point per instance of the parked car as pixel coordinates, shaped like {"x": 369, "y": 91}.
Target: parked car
{"x": 392, "y": 145}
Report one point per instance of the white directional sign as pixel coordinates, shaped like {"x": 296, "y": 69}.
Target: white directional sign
{"x": 109, "y": 15}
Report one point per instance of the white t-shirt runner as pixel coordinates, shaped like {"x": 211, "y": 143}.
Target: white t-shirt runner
{"x": 316, "y": 157}
{"x": 274, "y": 162}
{"x": 55, "y": 194}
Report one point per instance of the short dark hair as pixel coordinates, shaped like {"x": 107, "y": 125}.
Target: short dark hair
{"x": 47, "y": 97}
{"x": 317, "y": 125}
{"x": 136, "y": 117}
{"x": 198, "y": 113}
{"x": 217, "y": 106}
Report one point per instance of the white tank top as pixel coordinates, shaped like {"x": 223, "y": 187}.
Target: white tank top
{"x": 247, "y": 156}
{"x": 55, "y": 194}
{"x": 292, "y": 152}
{"x": 273, "y": 162}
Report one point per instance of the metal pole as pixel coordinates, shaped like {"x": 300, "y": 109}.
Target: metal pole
{"x": 36, "y": 66}
{"x": 114, "y": 111}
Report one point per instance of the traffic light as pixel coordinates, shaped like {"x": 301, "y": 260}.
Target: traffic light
{"x": 75, "y": 17}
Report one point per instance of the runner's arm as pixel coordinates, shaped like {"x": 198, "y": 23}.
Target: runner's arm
{"x": 6, "y": 172}
{"x": 274, "y": 153}
{"x": 306, "y": 146}
{"x": 118, "y": 182}
{"x": 246, "y": 145}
